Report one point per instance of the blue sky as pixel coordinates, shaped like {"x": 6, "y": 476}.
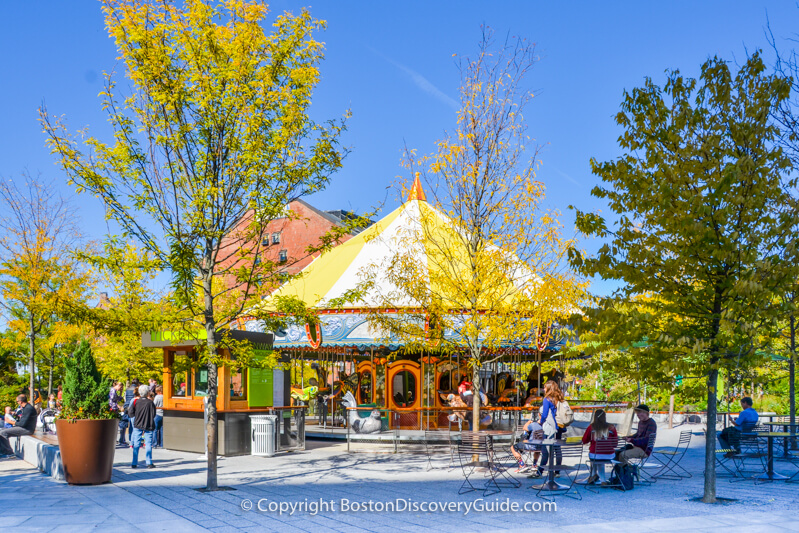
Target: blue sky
{"x": 391, "y": 64}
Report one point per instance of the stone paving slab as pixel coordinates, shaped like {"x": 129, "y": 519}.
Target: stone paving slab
{"x": 164, "y": 498}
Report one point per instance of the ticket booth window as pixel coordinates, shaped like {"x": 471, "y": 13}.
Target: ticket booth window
{"x": 181, "y": 375}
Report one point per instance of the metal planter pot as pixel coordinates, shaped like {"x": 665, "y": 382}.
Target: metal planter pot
{"x": 87, "y": 450}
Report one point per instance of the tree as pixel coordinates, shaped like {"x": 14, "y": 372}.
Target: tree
{"x": 133, "y": 307}
{"x": 39, "y": 275}
{"x": 493, "y": 270}
{"x": 216, "y": 129}
{"x": 704, "y": 217}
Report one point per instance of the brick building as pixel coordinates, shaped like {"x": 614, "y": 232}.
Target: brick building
{"x": 287, "y": 239}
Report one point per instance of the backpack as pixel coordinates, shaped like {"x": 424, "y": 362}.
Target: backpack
{"x": 564, "y": 414}
{"x": 622, "y": 477}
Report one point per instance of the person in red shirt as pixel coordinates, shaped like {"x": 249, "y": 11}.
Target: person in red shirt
{"x": 605, "y": 434}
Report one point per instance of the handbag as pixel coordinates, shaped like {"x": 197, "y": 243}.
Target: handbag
{"x": 623, "y": 477}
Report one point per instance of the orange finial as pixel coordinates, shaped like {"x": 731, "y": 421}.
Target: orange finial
{"x": 417, "y": 193}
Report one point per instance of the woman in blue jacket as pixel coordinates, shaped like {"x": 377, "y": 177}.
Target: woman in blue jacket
{"x": 549, "y": 422}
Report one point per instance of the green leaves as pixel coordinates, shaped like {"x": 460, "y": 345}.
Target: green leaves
{"x": 85, "y": 390}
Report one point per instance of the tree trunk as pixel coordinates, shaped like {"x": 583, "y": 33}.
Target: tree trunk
{"x": 671, "y": 411}
{"x": 31, "y": 359}
{"x": 792, "y": 378}
{"x": 210, "y": 330}
{"x": 475, "y": 396}
{"x": 710, "y": 441}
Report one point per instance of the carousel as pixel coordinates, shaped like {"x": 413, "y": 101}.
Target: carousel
{"x": 345, "y": 360}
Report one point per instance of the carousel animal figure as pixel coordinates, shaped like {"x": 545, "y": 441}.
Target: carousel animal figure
{"x": 370, "y": 424}
{"x": 303, "y": 396}
{"x": 465, "y": 403}
{"x": 536, "y": 388}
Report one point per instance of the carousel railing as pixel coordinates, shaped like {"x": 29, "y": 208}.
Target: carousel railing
{"x": 409, "y": 427}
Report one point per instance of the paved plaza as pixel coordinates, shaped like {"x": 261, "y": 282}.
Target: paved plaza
{"x": 165, "y": 499}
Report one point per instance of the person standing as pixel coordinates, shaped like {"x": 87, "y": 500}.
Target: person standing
{"x": 26, "y": 425}
{"x": 549, "y": 422}
{"x": 130, "y": 395}
{"x": 159, "y": 416}
{"x": 116, "y": 404}
{"x": 142, "y": 411}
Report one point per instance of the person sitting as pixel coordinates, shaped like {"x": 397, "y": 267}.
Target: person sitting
{"x": 730, "y": 437}
{"x": 464, "y": 388}
{"x": 532, "y": 431}
{"x": 638, "y": 443}
{"x": 8, "y": 419}
{"x": 26, "y": 425}
{"x": 604, "y": 433}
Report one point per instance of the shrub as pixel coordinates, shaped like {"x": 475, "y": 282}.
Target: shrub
{"x": 85, "y": 393}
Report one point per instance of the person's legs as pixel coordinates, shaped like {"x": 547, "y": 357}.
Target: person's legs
{"x": 723, "y": 440}
{"x": 123, "y": 428}
{"x": 159, "y": 428}
{"x": 135, "y": 441}
{"x": 148, "y": 447}
{"x": 633, "y": 453}
{"x": 545, "y": 453}
{"x": 730, "y": 437}
{"x": 130, "y": 430}
{"x": 5, "y": 445}
{"x": 516, "y": 454}
{"x": 558, "y": 452}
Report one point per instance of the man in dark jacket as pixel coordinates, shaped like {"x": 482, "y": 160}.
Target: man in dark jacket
{"x": 638, "y": 446}
{"x": 25, "y": 426}
{"x": 142, "y": 414}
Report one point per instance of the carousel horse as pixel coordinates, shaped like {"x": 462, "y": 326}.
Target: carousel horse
{"x": 534, "y": 385}
{"x": 465, "y": 414}
{"x": 304, "y": 395}
{"x": 346, "y": 383}
{"x": 369, "y": 424}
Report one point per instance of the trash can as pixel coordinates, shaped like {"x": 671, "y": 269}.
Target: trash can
{"x": 263, "y": 435}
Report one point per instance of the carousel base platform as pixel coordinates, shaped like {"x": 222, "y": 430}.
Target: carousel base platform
{"x": 410, "y": 436}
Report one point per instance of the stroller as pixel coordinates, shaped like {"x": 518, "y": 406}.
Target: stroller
{"x": 46, "y": 421}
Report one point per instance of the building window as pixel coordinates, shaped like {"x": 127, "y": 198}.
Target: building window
{"x": 201, "y": 381}
{"x": 276, "y": 238}
{"x": 238, "y": 384}
{"x": 283, "y": 256}
{"x": 181, "y": 374}
{"x": 265, "y": 241}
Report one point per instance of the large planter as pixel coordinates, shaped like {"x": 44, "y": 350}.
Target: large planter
{"x": 87, "y": 450}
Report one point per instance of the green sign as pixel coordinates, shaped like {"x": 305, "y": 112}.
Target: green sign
{"x": 260, "y": 385}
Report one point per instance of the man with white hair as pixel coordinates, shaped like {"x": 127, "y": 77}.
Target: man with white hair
{"x": 142, "y": 414}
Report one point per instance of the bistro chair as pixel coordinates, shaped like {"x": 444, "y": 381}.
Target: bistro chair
{"x": 603, "y": 447}
{"x": 437, "y": 441}
{"x": 570, "y": 453}
{"x": 642, "y": 463}
{"x": 751, "y": 459}
{"x": 477, "y": 452}
{"x": 671, "y": 459}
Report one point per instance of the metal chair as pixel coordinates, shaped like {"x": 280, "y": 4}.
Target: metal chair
{"x": 606, "y": 446}
{"x": 671, "y": 459}
{"x": 641, "y": 463}
{"x": 751, "y": 459}
{"x": 437, "y": 439}
{"x": 568, "y": 452}
{"x": 477, "y": 451}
